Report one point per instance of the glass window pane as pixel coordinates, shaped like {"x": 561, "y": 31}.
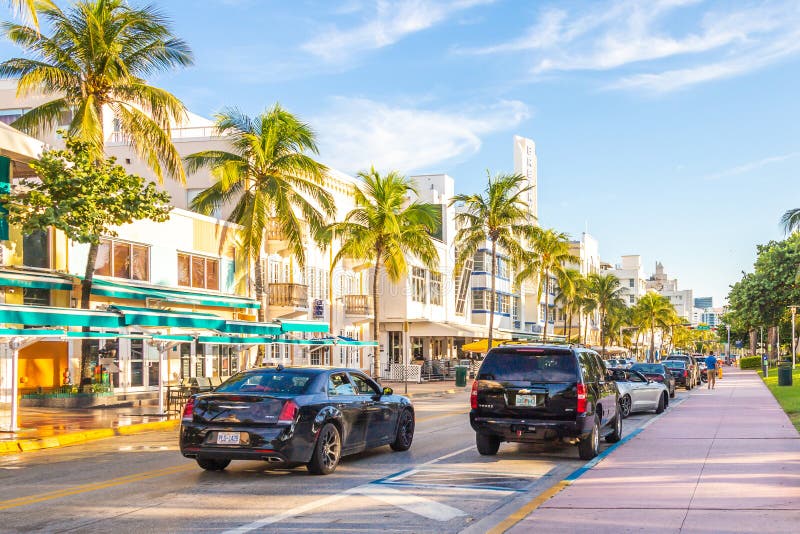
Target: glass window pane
{"x": 141, "y": 263}
{"x": 36, "y": 250}
{"x": 198, "y": 272}
{"x": 103, "y": 264}
{"x": 122, "y": 260}
{"x": 212, "y": 274}
{"x": 184, "y": 270}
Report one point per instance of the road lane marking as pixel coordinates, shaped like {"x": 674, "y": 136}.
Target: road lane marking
{"x": 439, "y": 416}
{"x": 303, "y": 508}
{"x": 411, "y": 503}
{"x": 525, "y": 510}
{"x": 94, "y": 486}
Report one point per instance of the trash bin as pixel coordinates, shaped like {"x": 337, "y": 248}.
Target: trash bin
{"x": 785, "y": 375}
{"x": 461, "y": 376}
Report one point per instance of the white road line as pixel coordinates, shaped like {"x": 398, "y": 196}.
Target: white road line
{"x": 303, "y": 508}
{"x": 411, "y": 503}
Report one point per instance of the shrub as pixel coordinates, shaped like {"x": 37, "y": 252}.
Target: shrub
{"x": 750, "y": 362}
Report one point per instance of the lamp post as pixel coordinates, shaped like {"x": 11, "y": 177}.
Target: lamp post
{"x": 728, "y": 348}
{"x": 794, "y": 343}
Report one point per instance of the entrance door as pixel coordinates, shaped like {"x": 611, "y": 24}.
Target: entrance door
{"x": 137, "y": 363}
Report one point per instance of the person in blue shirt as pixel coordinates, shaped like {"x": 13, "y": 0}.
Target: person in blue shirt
{"x": 711, "y": 365}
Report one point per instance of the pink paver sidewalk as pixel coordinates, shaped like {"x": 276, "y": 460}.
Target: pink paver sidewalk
{"x": 726, "y": 460}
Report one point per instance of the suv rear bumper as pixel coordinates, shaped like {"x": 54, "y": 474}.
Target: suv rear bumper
{"x": 531, "y": 430}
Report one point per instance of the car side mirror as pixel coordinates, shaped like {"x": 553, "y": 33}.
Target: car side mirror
{"x": 387, "y": 391}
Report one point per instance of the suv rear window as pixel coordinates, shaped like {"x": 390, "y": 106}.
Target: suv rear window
{"x": 675, "y": 364}
{"x": 529, "y": 365}
{"x": 267, "y": 381}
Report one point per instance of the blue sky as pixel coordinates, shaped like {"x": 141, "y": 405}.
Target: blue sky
{"x": 668, "y": 127}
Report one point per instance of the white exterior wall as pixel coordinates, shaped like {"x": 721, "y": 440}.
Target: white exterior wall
{"x": 631, "y": 270}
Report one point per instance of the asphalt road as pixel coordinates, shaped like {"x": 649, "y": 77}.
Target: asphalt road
{"x": 141, "y": 484}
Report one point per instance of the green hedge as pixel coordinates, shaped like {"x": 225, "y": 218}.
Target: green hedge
{"x": 750, "y": 362}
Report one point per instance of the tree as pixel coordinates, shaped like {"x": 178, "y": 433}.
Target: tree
{"x": 605, "y": 289}
{"x": 550, "y": 253}
{"x": 790, "y": 220}
{"x": 85, "y": 199}
{"x": 569, "y": 287}
{"x": 654, "y": 310}
{"x": 269, "y": 179}
{"x": 96, "y": 59}
{"x": 500, "y": 214}
{"x": 26, "y": 9}
{"x": 386, "y": 228}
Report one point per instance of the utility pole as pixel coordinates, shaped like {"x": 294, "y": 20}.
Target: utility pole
{"x": 728, "y": 327}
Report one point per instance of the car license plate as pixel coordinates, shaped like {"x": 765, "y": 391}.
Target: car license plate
{"x": 228, "y": 438}
{"x": 527, "y": 400}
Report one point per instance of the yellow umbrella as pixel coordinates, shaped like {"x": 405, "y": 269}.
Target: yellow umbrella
{"x": 481, "y": 345}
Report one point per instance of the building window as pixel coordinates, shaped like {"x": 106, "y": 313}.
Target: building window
{"x": 122, "y": 259}
{"x": 502, "y": 304}
{"x": 631, "y": 299}
{"x": 436, "y": 289}
{"x": 481, "y": 263}
{"x": 630, "y": 283}
{"x": 274, "y": 275}
{"x": 418, "y": 284}
{"x": 502, "y": 268}
{"x": 515, "y": 307}
{"x": 35, "y": 297}
{"x": 480, "y": 300}
{"x": 36, "y": 249}
{"x": 198, "y": 271}
{"x": 317, "y": 281}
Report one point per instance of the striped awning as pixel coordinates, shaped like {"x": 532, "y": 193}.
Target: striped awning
{"x": 296, "y": 325}
{"x": 34, "y": 280}
{"x": 132, "y": 316}
{"x": 252, "y": 328}
{"x": 51, "y": 316}
{"x": 132, "y": 291}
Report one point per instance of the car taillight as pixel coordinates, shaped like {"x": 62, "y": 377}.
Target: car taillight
{"x": 685, "y": 374}
{"x": 188, "y": 410}
{"x": 288, "y": 412}
{"x": 473, "y": 397}
{"x": 581, "y": 397}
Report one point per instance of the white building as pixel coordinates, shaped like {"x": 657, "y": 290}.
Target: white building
{"x": 631, "y": 277}
{"x": 681, "y": 299}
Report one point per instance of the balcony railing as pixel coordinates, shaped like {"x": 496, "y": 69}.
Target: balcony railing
{"x": 288, "y": 295}
{"x": 274, "y": 230}
{"x": 358, "y": 304}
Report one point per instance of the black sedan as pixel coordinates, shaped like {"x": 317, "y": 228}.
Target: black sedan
{"x": 657, "y": 372}
{"x": 682, "y": 375}
{"x": 293, "y": 416}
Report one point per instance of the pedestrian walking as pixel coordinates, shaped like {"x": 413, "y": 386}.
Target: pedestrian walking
{"x": 711, "y": 370}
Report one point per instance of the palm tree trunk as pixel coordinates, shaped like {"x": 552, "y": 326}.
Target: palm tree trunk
{"x": 258, "y": 281}
{"x": 86, "y": 295}
{"x": 546, "y": 302}
{"x": 492, "y": 298}
{"x": 568, "y": 326}
{"x": 603, "y": 329}
{"x": 585, "y": 329}
{"x": 652, "y": 357}
{"x": 376, "y": 356}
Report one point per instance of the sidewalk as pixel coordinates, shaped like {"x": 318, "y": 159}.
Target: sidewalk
{"x": 726, "y": 460}
{"x": 53, "y": 427}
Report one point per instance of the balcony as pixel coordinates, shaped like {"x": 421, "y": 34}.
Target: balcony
{"x": 274, "y": 230}
{"x": 358, "y": 305}
{"x": 288, "y": 295}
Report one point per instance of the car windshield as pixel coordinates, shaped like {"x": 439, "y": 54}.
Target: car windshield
{"x": 529, "y": 365}
{"x": 648, "y": 368}
{"x": 674, "y": 364}
{"x": 267, "y": 381}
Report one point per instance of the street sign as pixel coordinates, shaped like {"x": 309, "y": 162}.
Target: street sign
{"x": 703, "y": 327}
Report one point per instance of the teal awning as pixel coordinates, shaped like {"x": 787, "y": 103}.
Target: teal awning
{"x": 289, "y": 325}
{"x": 30, "y": 332}
{"x": 303, "y": 342}
{"x": 252, "y": 328}
{"x": 34, "y": 280}
{"x": 51, "y": 316}
{"x": 135, "y": 291}
{"x": 168, "y": 318}
{"x": 235, "y": 340}
{"x": 173, "y": 337}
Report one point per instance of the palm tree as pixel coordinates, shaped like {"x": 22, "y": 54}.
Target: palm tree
{"x": 790, "y": 220}
{"x": 96, "y": 60}
{"x": 605, "y": 289}
{"x": 550, "y": 253}
{"x": 654, "y": 310}
{"x": 500, "y": 214}
{"x": 267, "y": 177}
{"x": 26, "y": 9}
{"x": 385, "y": 228}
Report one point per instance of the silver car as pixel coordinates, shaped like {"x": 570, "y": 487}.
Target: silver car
{"x": 637, "y": 393}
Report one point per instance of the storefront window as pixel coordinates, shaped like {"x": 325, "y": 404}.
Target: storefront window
{"x": 198, "y": 271}
{"x": 186, "y": 360}
{"x": 137, "y": 362}
{"x": 416, "y": 348}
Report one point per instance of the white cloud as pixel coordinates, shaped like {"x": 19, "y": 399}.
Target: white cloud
{"x": 751, "y": 166}
{"x": 632, "y": 33}
{"x": 391, "y": 21}
{"x": 358, "y": 133}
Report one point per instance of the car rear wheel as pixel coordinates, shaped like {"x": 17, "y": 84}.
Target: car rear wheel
{"x": 589, "y": 447}
{"x": 405, "y": 432}
{"x": 662, "y": 403}
{"x": 616, "y": 435}
{"x": 672, "y": 392}
{"x": 625, "y": 406}
{"x": 327, "y": 452}
{"x": 487, "y": 445}
{"x": 213, "y": 465}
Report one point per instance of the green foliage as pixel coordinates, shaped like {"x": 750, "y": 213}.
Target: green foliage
{"x": 82, "y": 197}
{"x": 750, "y": 362}
{"x": 605, "y": 290}
{"x": 96, "y": 60}
{"x": 787, "y": 396}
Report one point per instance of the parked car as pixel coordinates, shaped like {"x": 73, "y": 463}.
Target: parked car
{"x": 691, "y": 366}
{"x": 657, "y": 372}
{"x": 680, "y": 372}
{"x": 619, "y": 363}
{"x": 701, "y": 364}
{"x": 637, "y": 393}
{"x": 540, "y": 393}
{"x": 293, "y": 416}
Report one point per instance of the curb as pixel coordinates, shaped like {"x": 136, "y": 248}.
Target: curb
{"x": 73, "y": 438}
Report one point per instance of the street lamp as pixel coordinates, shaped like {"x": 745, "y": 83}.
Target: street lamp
{"x": 728, "y": 327}
{"x": 794, "y": 344}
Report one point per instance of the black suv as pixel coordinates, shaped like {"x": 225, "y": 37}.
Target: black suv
{"x": 537, "y": 393}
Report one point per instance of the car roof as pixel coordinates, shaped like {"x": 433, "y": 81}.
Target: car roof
{"x": 316, "y": 369}
{"x": 547, "y": 346}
